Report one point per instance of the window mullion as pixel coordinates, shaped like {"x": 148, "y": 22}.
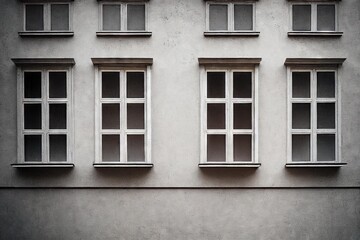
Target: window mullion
{"x": 45, "y": 116}
{"x": 313, "y": 17}
{"x": 123, "y": 17}
{"x": 313, "y": 116}
{"x": 231, "y": 17}
{"x": 123, "y": 117}
{"x": 229, "y": 117}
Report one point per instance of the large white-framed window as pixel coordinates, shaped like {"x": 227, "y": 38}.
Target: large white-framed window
{"x": 229, "y": 113}
{"x": 45, "y": 123}
{"x": 230, "y": 18}
{"x": 314, "y": 116}
{"x": 47, "y": 18}
{"x": 122, "y": 116}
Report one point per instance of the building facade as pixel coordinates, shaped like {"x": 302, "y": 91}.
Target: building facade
{"x": 168, "y": 119}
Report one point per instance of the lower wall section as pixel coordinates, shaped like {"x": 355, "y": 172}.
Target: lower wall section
{"x": 180, "y": 214}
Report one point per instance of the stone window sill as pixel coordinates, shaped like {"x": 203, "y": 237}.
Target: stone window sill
{"x": 43, "y": 165}
{"x": 123, "y": 34}
{"x": 315, "y": 165}
{"x": 46, "y": 34}
{"x": 229, "y": 165}
{"x": 315, "y": 34}
{"x": 232, "y": 34}
{"x": 123, "y": 165}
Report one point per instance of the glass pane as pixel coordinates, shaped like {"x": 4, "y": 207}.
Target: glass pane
{"x": 34, "y": 17}
{"x": 111, "y": 17}
{"x": 242, "y": 116}
{"x": 57, "y": 85}
{"x": 242, "y": 85}
{"x": 301, "y": 115}
{"x": 326, "y": 147}
{"x": 111, "y": 148}
{"x": 135, "y": 84}
{"x": 33, "y": 148}
{"x": 135, "y": 148}
{"x": 218, "y": 17}
{"x": 326, "y": 17}
{"x": 216, "y": 116}
{"x": 216, "y": 148}
{"x": 57, "y": 116}
{"x": 135, "y": 116}
{"x": 110, "y": 116}
{"x": 300, "y": 148}
{"x": 326, "y": 84}
{"x": 32, "y": 84}
{"x": 301, "y": 84}
{"x": 301, "y": 17}
{"x": 110, "y": 85}
{"x": 216, "y": 84}
{"x": 60, "y": 17}
{"x": 326, "y": 115}
{"x": 242, "y": 148}
{"x": 243, "y": 17}
{"x": 136, "y": 17}
{"x": 57, "y": 148}
{"x": 32, "y": 116}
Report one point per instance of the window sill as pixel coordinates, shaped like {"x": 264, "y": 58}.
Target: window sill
{"x": 315, "y": 34}
{"x": 123, "y": 34}
{"x": 232, "y": 34}
{"x": 229, "y": 165}
{"x": 123, "y": 165}
{"x": 43, "y": 165}
{"x": 315, "y": 165}
{"x": 46, "y": 34}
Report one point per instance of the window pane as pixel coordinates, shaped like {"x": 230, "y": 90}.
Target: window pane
{"x": 136, "y": 17}
{"x": 33, "y": 148}
{"x": 301, "y": 84}
{"x": 301, "y": 115}
{"x": 111, "y": 148}
{"x": 216, "y": 148}
{"x": 135, "y": 116}
{"x": 326, "y": 17}
{"x": 216, "y": 116}
{"x": 242, "y": 147}
{"x": 326, "y": 115}
{"x": 32, "y": 84}
{"x": 300, "y": 148}
{"x": 57, "y": 116}
{"x": 135, "y": 148}
{"x": 242, "y": 85}
{"x": 242, "y": 116}
{"x": 301, "y": 17}
{"x": 243, "y": 17}
{"x": 32, "y": 116}
{"x": 326, "y": 85}
{"x": 34, "y": 17}
{"x": 60, "y": 17}
{"x": 135, "y": 84}
{"x": 110, "y": 116}
{"x": 326, "y": 147}
{"x": 111, "y": 17}
{"x": 57, "y": 85}
{"x": 218, "y": 17}
{"x": 110, "y": 85}
{"x": 216, "y": 84}
{"x": 57, "y": 148}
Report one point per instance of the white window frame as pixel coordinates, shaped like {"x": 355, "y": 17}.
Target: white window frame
{"x": 47, "y": 17}
{"x": 123, "y": 131}
{"x": 314, "y": 15}
{"x": 231, "y": 23}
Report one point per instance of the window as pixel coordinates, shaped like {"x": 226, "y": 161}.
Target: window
{"x": 44, "y": 113}
{"x": 229, "y": 112}
{"x": 123, "y": 18}
{"x": 314, "y": 115}
{"x": 47, "y": 19}
{"x": 122, "y": 114}
{"x": 313, "y": 17}
{"x": 235, "y": 18}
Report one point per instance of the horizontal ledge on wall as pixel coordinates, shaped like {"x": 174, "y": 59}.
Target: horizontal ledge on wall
{"x": 123, "y": 165}
{"x": 314, "y": 165}
{"x": 228, "y": 62}
{"x": 45, "y": 1}
{"x": 43, "y": 165}
{"x": 122, "y": 62}
{"x": 123, "y": 34}
{"x": 232, "y": 34}
{"x": 43, "y": 61}
{"x": 231, "y": 0}
{"x": 314, "y": 61}
{"x": 229, "y": 165}
{"x": 46, "y": 34}
{"x": 314, "y": 0}
{"x": 315, "y": 34}
{"x": 123, "y": 1}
